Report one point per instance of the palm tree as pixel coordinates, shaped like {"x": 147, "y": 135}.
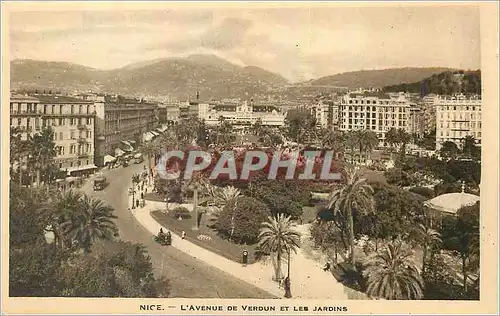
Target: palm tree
{"x": 428, "y": 237}
{"x": 224, "y": 196}
{"x": 392, "y": 274}
{"x": 392, "y": 138}
{"x": 93, "y": 219}
{"x": 149, "y": 149}
{"x": 43, "y": 150}
{"x": 333, "y": 140}
{"x": 63, "y": 207}
{"x": 278, "y": 237}
{"x": 368, "y": 141}
{"x": 355, "y": 195}
{"x": 197, "y": 183}
{"x": 351, "y": 143}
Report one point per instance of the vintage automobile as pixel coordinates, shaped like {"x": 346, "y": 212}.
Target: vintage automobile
{"x": 100, "y": 183}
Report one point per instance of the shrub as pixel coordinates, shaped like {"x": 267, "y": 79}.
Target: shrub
{"x": 249, "y": 213}
{"x": 181, "y": 212}
{"x": 428, "y": 193}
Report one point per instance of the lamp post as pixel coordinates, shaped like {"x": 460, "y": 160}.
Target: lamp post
{"x": 131, "y": 191}
{"x": 288, "y": 292}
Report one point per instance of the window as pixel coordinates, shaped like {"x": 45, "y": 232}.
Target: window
{"x": 61, "y": 135}
{"x": 61, "y": 121}
{"x": 60, "y": 165}
{"x": 71, "y": 164}
{"x": 19, "y": 122}
{"x": 60, "y": 109}
{"x": 72, "y": 109}
{"x": 72, "y": 134}
{"x": 80, "y": 109}
{"x": 87, "y": 162}
{"x": 89, "y": 121}
{"x": 72, "y": 149}
{"x": 88, "y": 109}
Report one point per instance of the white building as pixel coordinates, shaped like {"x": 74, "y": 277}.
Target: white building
{"x": 456, "y": 118}
{"x": 240, "y": 114}
{"x": 374, "y": 111}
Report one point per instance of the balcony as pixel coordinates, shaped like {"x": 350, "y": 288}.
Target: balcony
{"x": 82, "y": 127}
{"x": 82, "y": 140}
{"x": 82, "y": 155}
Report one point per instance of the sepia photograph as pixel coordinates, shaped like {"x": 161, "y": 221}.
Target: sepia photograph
{"x": 275, "y": 159}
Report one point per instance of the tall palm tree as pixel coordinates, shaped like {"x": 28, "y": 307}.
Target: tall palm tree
{"x": 197, "y": 183}
{"x": 93, "y": 220}
{"x": 333, "y": 140}
{"x": 43, "y": 150}
{"x": 392, "y": 274}
{"x": 149, "y": 149}
{"x": 278, "y": 238}
{"x": 351, "y": 143}
{"x": 355, "y": 195}
{"x": 368, "y": 141}
{"x": 428, "y": 237}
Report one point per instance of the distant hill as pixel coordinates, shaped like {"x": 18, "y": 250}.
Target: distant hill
{"x": 376, "y": 78}
{"x": 213, "y": 77}
{"x": 448, "y": 82}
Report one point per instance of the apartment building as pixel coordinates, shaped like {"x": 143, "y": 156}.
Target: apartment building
{"x": 457, "y": 117}
{"x": 120, "y": 125}
{"x": 72, "y": 121}
{"x": 428, "y": 107}
{"x": 374, "y": 111}
{"x": 416, "y": 120}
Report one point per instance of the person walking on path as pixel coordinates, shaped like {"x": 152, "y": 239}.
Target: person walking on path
{"x": 183, "y": 235}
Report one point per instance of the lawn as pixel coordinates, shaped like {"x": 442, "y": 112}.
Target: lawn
{"x": 217, "y": 244}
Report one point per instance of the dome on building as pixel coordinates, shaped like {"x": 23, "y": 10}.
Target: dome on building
{"x": 452, "y": 202}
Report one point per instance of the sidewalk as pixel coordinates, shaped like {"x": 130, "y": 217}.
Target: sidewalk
{"x": 308, "y": 280}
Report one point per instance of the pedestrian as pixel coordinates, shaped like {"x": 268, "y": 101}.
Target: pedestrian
{"x": 183, "y": 235}
{"x": 142, "y": 195}
{"x": 327, "y": 267}
{"x": 137, "y": 203}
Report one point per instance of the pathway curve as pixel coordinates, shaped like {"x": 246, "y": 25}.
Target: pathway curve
{"x": 308, "y": 279}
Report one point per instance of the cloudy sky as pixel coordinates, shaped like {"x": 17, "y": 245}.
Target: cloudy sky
{"x": 297, "y": 43}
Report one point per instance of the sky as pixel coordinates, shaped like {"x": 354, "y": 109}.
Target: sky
{"x": 297, "y": 43}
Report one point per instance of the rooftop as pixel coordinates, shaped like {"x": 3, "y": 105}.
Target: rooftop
{"x": 61, "y": 99}
{"x": 452, "y": 202}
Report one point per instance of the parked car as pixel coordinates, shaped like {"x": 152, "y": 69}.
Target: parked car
{"x": 100, "y": 183}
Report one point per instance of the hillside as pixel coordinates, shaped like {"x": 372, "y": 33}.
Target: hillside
{"x": 448, "y": 82}
{"x": 376, "y": 78}
{"x": 213, "y": 77}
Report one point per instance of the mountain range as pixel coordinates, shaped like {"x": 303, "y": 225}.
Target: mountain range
{"x": 180, "y": 78}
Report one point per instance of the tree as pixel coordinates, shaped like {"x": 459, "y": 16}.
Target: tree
{"x": 149, "y": 149}
{"x": 367, "y": 141}
{"x": 392, "y": 274}
{"x": 240, "y": 221}
{"x": 392, "y": 138}
{"x": 461, "y": 234}
{"x": 19, "y": 150}
{"x": 428, "y": 237}
{"x": 42, "y": 151}
{"x": 449, "y": 150}
{"x": 278, "y": 238}
{"x": 333, "y": 140}
{"x": 355, "y": 195}
{"x": 89, "y": 221}
{"x": 223, "y": 196}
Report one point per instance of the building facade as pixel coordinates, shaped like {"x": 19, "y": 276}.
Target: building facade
{"x": 72, "y": 121}
{"x": 375, "y": 112}
{"x": 121, "y": 124}
{"x": 456, "y": 118}
{"x": 241, "y": 114}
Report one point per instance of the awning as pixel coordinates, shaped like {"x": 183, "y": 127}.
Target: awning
{"x": 109, "y": 158}
{"x": 119, "y": 152}
{"x": 147, "y": 137}
{"x": 80, "y": 168}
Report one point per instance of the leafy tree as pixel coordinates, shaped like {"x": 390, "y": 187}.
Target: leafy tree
{"x": 396, "y": 212}
{"x": 423, "y": 191}
{"x": 449, "y": 150}
{"x": 278, "y": 237}
{"x": 327, "y": 236}
{"x": 241, "y": 220}
{"x": 470, "y": 149}
{"x": 355, "y": 196}
{"x": 428, "y": 237}
{"x": 281, "y": 197}
{"x": 461, "y": 234}
{"x": 439, "y": 281}
{"x": 392, "y": 274}
{"x": 42, "y": 151}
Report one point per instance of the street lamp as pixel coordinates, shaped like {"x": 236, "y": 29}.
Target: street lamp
{"x": 288, "y": 292}
{"x": 131, "y": 191}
